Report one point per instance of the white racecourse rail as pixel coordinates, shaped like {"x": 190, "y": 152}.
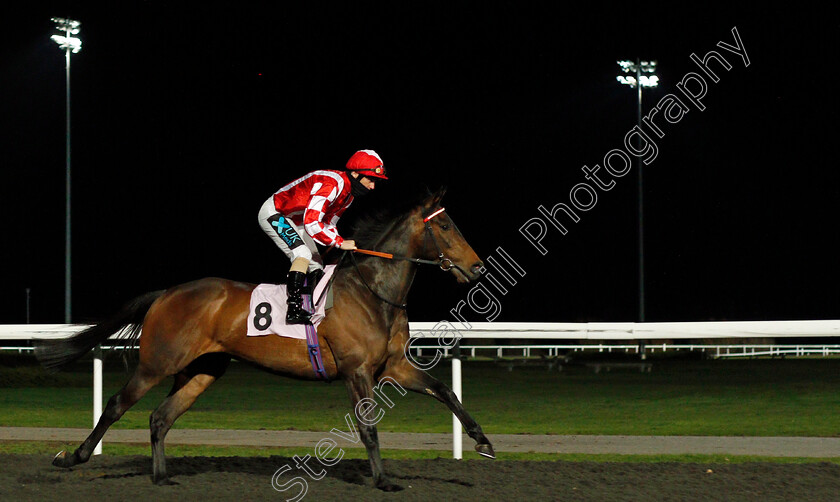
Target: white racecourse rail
{"x": 627, "y": 331}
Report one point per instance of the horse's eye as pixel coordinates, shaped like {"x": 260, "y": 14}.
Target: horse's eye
{"x": 445, "y": 227}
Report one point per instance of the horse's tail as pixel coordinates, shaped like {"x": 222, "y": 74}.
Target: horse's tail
{"x": 54, "y": 355}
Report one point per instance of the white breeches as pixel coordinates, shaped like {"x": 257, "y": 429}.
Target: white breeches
{"x": 290, "y": 238}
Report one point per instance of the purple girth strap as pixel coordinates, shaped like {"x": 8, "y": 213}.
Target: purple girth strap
{"x": 312, "y": 345}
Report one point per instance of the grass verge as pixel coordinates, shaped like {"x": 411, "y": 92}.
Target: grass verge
{"x": 792, "y": 397}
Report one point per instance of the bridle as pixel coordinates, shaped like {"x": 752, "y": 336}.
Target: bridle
{"x": 442, "y": 261}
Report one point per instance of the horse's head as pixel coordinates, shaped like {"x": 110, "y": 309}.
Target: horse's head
{"x": 437, "y": 238}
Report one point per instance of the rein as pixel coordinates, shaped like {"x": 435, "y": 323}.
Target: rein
{"x": 390, "y": 256}
{"x": 443, "y": 262}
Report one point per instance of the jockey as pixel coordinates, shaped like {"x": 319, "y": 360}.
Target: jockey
{"x": 305, "y": 212}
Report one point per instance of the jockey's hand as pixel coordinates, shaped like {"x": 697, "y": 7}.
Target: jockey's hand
{"x": 348, "y": 245}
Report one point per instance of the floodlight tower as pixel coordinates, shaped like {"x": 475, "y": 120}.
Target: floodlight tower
{"x": 70, "y": 44}
{"x": 638, "y": 74}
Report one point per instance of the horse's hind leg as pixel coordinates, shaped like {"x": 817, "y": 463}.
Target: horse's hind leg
{"x": 417, "y": 380}
{"x": 188, "y": 385}
{"x": 119, "y": 403}
{"x": 360, "y": 385}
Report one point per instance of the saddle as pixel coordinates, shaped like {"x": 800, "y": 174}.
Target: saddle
{"x": 267, "y": 315}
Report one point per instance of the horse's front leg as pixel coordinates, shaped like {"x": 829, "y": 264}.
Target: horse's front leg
{"x": 360, "y": 385}
{"x": 419, "y": 381}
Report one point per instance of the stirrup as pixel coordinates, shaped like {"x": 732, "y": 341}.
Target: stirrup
{"x": 298, "y": 316}
{"x": 298, "y": 319}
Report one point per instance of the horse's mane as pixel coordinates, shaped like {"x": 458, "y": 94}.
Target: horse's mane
{"x": 369, "y": 226}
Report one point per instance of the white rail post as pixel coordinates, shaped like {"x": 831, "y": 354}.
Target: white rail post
{"x": 457, "y": 446}
{"x": 97, "y": 392}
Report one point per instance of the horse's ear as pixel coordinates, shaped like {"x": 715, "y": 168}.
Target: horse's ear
{"x": 437, "y": 196}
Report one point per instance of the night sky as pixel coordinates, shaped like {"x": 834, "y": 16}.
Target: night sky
{"x": 186, "y": 119}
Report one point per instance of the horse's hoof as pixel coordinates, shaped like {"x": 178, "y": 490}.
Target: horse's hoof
{"x": 61, "y": 459}
{"x": 485, "y": 450}
{"x": 164, "y": 482}
{"x": 387, "y": 486}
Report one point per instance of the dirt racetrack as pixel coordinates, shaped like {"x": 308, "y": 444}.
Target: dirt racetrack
{"x": 115, "y": 478}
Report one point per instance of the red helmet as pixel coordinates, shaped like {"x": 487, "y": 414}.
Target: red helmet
{"x": 367, "y": 163}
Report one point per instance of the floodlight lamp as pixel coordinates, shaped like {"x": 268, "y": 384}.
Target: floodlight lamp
{"x": 632, "y": 68}
{"x": 649, "y": 81}
{"x": 627, "y": 66}
{"x": 67, "y": 25}
{"x": 72, "y": 43}
{"x": 631, "y": 81}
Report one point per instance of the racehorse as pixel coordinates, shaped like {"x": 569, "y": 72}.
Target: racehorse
{"x": 191, "y": 332}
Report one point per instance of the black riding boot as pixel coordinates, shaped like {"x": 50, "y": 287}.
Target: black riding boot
{"x": 313, "y": 278}
{"x": 294, "y": 311}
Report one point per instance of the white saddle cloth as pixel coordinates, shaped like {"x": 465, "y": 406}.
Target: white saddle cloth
{"x": 268, "y": 309}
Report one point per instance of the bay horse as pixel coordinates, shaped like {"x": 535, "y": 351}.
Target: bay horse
{"x": 191, "y": 331}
